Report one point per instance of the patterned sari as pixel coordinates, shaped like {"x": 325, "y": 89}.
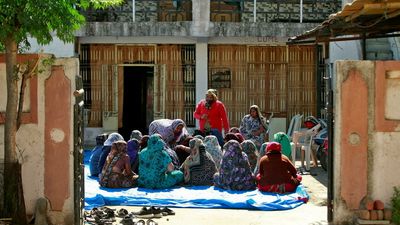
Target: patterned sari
{"x": 199, "y": 167}
{"x": 116, "y": 158}
{"x": 213, "y": 147}
{"x": 250, "y": 149}
{"x": 235, "y": 172}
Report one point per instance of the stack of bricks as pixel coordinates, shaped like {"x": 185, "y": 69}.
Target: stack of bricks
{"x": 373, "y": 212}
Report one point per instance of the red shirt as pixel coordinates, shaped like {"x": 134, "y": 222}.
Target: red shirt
{"x": 216, "y": 115}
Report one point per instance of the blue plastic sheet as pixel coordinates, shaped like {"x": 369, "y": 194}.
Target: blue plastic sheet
{"x": 190, "y": 197}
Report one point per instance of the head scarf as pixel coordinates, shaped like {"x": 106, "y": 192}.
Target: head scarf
{"x": 100, "y": 139}
{"x": 166, "y": 128}
{"x": 257, "y": 109}
{"x": 274, "y": 147}
{"x": 231, "y": 136}
{"x": 234, "y": 130}
{"x": 213, "y": 147}
{"x": 119, "y": 146}
{"x": 283, "y": 139}
{"x": 143, "y": 141}
{"x": 250, "y": 149}
{"x": 235, "y": 172}
{"x": 136, "y": 134}
{"x": 113, "y": 137}
{"x": 199, "y": 137}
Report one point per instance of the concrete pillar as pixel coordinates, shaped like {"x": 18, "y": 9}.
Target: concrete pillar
{"x": 201, "y": 71}
{"x": 201, "y": 18}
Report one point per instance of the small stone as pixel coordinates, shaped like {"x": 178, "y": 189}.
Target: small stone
{"x": 363, "y": 214}
{"x": 380, "y": 214}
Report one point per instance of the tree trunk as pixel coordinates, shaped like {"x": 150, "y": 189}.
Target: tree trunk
{"x": 14, "y": 203}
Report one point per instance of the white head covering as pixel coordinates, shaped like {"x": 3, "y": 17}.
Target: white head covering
{"x": 113, "y": 137}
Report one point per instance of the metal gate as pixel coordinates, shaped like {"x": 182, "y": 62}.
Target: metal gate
{"x": 79, "y": 183}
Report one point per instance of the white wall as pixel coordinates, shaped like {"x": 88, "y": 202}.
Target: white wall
{"x": 56, "y": 47}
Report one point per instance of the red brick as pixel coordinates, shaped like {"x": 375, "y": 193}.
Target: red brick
{"x": 369, "y": 205}
{"x": 379, "y": 205}
{"x": 374, "y": 214}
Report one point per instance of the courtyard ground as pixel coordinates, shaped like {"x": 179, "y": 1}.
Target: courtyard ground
{"x": 312, "y": 213}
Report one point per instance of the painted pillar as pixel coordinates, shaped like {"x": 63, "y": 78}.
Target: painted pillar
{"x": 57, "y": 135}
{"x": 354, "y": 136}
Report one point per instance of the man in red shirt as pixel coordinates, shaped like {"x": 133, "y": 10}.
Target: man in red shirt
{"x": 211, "y": 114}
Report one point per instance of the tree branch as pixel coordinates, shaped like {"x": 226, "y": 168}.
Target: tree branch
{"x": 26, "y": 75}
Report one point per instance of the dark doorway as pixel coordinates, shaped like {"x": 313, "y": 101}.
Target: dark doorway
{"x": 137, "y": 100}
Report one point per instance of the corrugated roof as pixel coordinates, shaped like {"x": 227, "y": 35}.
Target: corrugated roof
{"x": 361, "y": 19}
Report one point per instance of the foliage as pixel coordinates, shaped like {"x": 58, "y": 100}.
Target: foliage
{"x": 395, "y": 200}
{"x": 43, "y": 18}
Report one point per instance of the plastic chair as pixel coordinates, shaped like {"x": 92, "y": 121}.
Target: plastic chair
{"x": 294, "y": 126}
{"x": 308, "y": 137}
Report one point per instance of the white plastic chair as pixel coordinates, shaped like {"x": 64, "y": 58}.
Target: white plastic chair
{"x": 293, "y": 128}
{"x": 308, "y": 136}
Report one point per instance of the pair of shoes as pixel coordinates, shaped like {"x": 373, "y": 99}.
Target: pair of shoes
{"x": 148, "y": 222}
{"x": 151, "y": 212}
{"x": 167, "y": 211}
{"x": 127, "y": 220}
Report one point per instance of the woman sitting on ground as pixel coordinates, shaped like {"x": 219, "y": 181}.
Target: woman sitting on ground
{"x": 173, "y": 132}
{"x": 117, "y": 171}
{"x": 214, "y": 149}
{"x": 235, "y": 172}
{"x": 155, "y": 166}
{"x": 252, "y": 154}
{"x": 113, "y": 137}
{"x": 199, "y": 167}
{"x": 277, "y": 173}
{"x": 134, "y": 148}
{"x": 95, "y": 156}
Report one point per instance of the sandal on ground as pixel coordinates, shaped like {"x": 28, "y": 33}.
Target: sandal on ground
{"x": 140, "y": 222}
{"x": 151, "y": 222}
{"x": 127, "y": 220}
{"x": 167, "y": 211}
{"x": 122, "y": 212}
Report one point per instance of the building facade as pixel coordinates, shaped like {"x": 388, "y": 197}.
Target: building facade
{"x": 155, "y": 59}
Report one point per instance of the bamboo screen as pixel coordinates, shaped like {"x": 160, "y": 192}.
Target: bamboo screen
{"x": 278, "y": 79}
{"x": 232, "y": 58}
{"x": 302, "y": 92}
{"x": 267, "y": 85}
{"x": 100, "y": 55}
{"x": 180, "y": 81}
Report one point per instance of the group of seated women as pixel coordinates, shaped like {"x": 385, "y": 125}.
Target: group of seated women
{"x": 169, "y": 156}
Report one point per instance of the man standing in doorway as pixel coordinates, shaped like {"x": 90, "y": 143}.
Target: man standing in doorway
{"x": 211, "y": 114}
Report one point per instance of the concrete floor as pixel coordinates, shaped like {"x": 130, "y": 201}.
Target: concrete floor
{"x": 312, "y": 213}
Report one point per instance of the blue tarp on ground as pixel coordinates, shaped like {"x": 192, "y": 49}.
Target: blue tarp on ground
{"x": 191, "y": 197}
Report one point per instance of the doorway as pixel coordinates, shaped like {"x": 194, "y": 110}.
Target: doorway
{"x": 137, "y": 102}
